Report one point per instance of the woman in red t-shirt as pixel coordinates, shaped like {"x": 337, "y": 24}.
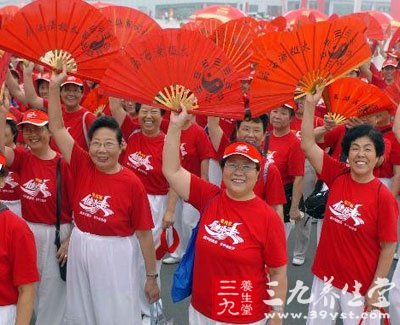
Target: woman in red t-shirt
{"x": 37, "y": 169}
{"x": 143, "y": 155}
{"x": 18, "y": 270}
{"x": 359, "y": 233}
{"x": 111, "y": 213}
{"x": 238, "y": 235}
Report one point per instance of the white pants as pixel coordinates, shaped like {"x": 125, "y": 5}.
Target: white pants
{"x": 186, "y": 219}
{"x": 51, "y": 290}
{"x": 394, "y": 297}
{"x": 158, "y": 205}
{"x": 302, "y": 228}
{"x": 197, "y": 318}
{"x": 14, "y": 206}
{"x": 327, "y": 302}
{"x": 8, "y": 314}
{"x": 102, "y": 280}
{"x": 214, "y": 172}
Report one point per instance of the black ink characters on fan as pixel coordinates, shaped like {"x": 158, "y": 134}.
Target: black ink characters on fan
{"x": 209, "y": 80}
{"x": 94, "y": 41}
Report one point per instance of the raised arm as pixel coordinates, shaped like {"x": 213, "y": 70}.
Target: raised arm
{"x": 15, "y": 89}
{"x": 312, "y": 151}
{"x": 64, "y": 140}
{"x": 117, "y": 110}
{"x": 6, "y": 151}
{"x": 32, "y": 98}
{"x": 177, "y": 177}
{"x": 214, "y": 131}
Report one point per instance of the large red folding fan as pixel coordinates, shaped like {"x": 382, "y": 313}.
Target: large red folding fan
{"x": 206, "y": 27}
{"x": 315, "y": 54}
{"x": 129, "y": 23}
{"x": 55, "y": 32}
{"x": 351, "y": 97}
{"x": 235, "y": 38}
{"x": 175, "y": 66}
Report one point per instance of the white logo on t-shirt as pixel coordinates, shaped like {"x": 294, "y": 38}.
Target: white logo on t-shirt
{"x": 242, "y": 148}
{"x": 10, "y": 181}
{"x": 92, "y": 203}
{"x": 220, "y": 231}
{"x": 345, "y": 210}
{"x": 138, "y": 159}
{"x": 183, "y": 150}
{"x": 36, "y": 186}
{"x": 271, "y": 157}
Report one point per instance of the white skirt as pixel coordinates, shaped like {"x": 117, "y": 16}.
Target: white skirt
{"x": 102, "y": 280}
{"x": 8, "y": 314}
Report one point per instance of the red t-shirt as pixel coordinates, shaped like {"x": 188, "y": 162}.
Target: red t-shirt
{"x": 236, "y": 239}
{"x": 17, "y": 257}
{"x": 195, "y": 147}
{"x": 10, "y": 191}
{"x": 108, "y": 204}
{"x": 386, "y": 169}
{"x": 285, "y": 152}
{"x": 38, "y": 187}
{"x": 143, "y": 155}
{"x": 75, "y": 123}
{"x": 271, "y": 191}
{"x": 358, "y": 217}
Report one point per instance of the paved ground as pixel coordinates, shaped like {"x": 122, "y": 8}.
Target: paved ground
{"x": 179, "y": 311}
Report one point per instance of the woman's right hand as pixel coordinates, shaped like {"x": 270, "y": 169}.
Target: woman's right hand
{"x": 58, "y": 78}
{"x": 178, "y": 119}
{"x": 151, "y": 290}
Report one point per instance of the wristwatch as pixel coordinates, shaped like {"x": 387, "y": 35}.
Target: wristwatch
{"x": 153, "y": 276}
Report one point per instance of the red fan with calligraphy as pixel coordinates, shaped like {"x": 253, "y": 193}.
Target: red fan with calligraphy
{"x": 395, "y": 38}
{"x": 4, "y": 63}
{"x": 6, "y": 13}
{"x": 206, "y": 27}
{"x": 315, "y": 54}
{"x": 129, "y": 23}
{"x": 351, "y": 97}
{"x": 374, "y": 30}
{"x": 235, "y": 38}
{"x": 175, "y": 67}
{"x": 57, "y": 32}
{"x": 393, "y": 91}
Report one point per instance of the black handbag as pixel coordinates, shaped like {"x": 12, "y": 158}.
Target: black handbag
{"x": 57, "y": 241}
{"x": 315, "y": 204}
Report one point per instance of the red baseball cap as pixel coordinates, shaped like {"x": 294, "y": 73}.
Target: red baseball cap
{"x": 73, "y": 80}
{"x": 243, "y": 149}
{"x": 43, "y": 76}
{"x": 2, "y": 161}
{"x": 34, "y": 117}
{"x": 390, "y": 62}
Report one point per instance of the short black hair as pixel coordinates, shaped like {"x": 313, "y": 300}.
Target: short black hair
{"x": 364, "y": 130}
{"x": 261, "y": 119}
{"x": 105, "y": 122}
{"x": 138, "y": 106}
{"x": 14, "y": 129}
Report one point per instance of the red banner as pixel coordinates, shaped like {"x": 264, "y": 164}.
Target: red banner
{"x": 395, "y": 9}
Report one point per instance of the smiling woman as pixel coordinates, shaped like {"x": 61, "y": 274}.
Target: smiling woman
{"x": 111, "y": 213}
{"x": 359, "y": 232}
{"x": 238, "y": 235}
{"x": 38, "y": 183}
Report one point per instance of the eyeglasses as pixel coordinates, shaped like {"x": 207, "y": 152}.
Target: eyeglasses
{"x": 106, "y": 145}
{"x": 245, "y": 168}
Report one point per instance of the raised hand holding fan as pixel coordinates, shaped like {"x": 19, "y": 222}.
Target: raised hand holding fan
{"x": 350, "y": 97}
{"x": 315, "y": 54}
{"x": 173, "y": 67}
{"x": 57, "y": 32}
{"x": 129, "y": 23}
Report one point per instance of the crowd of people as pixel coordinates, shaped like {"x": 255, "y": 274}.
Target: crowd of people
{"x": 115, "y": 177}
